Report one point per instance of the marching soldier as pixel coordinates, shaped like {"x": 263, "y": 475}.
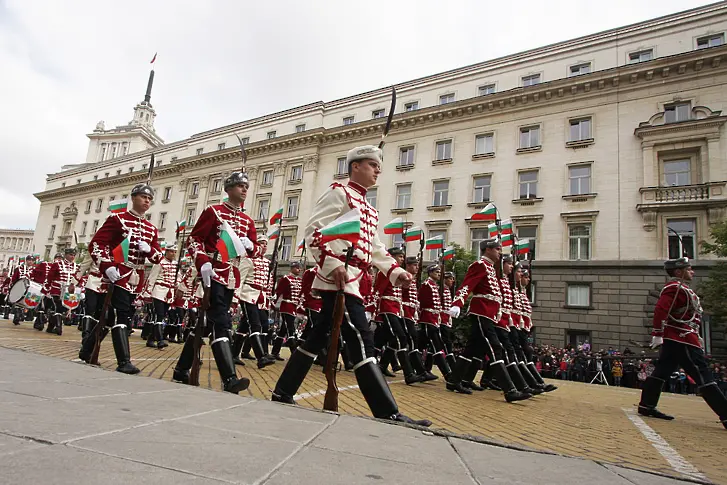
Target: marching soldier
{"x": 445, "y": 328}
{"x": 410, "y": 305}
{"x": 287, "y": 294}
{"x": 123, "y": 265}
{"x": 481, "y": 280}
{"x": 220, "y": 277}
{"x": 677, "y": 323}
{"x": 23, "y": 270}
{"x": 190, "y": 291}
{"x": 95, "y": 288}
{"x": 40, "y": 275}
{"x": 161, "y": 288}
{"x": 309, "y": 303}
{"x": 4, "y": 290}
{"x": 430, "y": 310}
{"x": 62, "y": 277}
{"x": 364, "y": 167}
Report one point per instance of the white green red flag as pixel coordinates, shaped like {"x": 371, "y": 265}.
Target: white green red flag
{"x": 492, "y": 230}
{"x": 395, "y": 227}
{"x": 523, "y": 246}
{"x": 301, "y": 244}
{"x": 436, "y": 242}
{"x": 448, "y": 253}
{"x": 273, "y": 233}
{"x": 413, "y": 234}
{"x": 121, "y": 252}
{"x": 117, "y": 206}
{"x": 506, "y": 240}
{"x": 181, "y": 225}
{"x": 506, "y": 226}
{"x": 229, "y": 244}
{"x": 277, "y": 217}
{"x": 347, "y": 228}
{"x": 489, "y": 213}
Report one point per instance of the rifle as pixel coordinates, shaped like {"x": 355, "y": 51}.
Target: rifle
{"x": 387, "y": 126}
{"x": 330, "y": 402}
{"x": 198, "y": 329}
{"x": 421, "y": 261}
{"x": 179, "y": 261}
{"x": 100, "y": 325}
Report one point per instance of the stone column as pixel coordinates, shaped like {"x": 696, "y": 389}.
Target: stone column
{"x": 651, "y": 168}
{"x": 716, "y": 170}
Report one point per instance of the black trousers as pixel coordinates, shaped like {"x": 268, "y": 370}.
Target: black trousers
{"x": 434, "y": 338}
{"x": 218, "y": 315}
{"x": 483, "y": 340}
{"x": 122, "y": 303}
{"x": 286, "y": 329}
{"x": 355, "y": 329}
{"x": 251, "y": 321}
{"x": 506, "y": 341}
{"x": 49, "y": 305}
{"x": 446, "y": 333}
{"x": 412, "y": 333}
{"x": 312, "y": 321}
{"x": 525, "y": 345}
{"x": 675, "y": 355}
{"x": 160, "y": 309}
{"x": 93, "y": 303}
{"x": 392, "y": 327}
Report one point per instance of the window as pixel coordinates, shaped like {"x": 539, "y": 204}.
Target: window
{"x": 195, "y": 189}
{"x": 481, "y": 188}
{"x": 528, "y": 181}
{"x": 157, "y": 163}
{"x": 484, "y": 144}
{"x": 578, "y": 294}
{"x": 433, "y": 254}
{"x": 63, "y": 184}
{"x": 131, "y": 170}
{"x": 88, "y": 205}
{"x": 296, "y": 173}
{"x": 103, "y": 151}
{"x": 577, "y": 337}
{"x": 403, "y": 196}
{"x": 271, "y": 134}
{"x": 341, "y": 166}
{"x": 174, "y": 159}
{"x": 286, "y": 246}
{"x": 99, "y": 205}
{"x": 268, "y": 177}
{"x": 476, "y": 237}
{"x": 580, "y": 129}
{"x": 162, "y": 221}
{"x": 579, "y": 177}
{"x": 406, "y": 157}
{"x": 677, "y": 112}
{"x": 371, "y": 196}
{"x": 292, "y": 210}
{"x": 527, "y": 232}
{"x": 446, "y": 98}
{"x": 221, "y": 146}
{"x": 66, "y": 228}
{"x": 486, "y": 89}
{"x": 147, "y": 216}
{"x": 52, "y": 231}
{"x": 112, "y": 198}
{"x": 78, "y": 181}
{"x": 710, "y": 41}
{"x": 530, "y": 137}
{"x": 217, "y": 186}
{"x": 397, "y": 240}
{"x": 94, "y": 227}
{"x": 95, "y": 177}
{"x": 579, "y": 241}
{"x": 125, "y": 148}
{"x": 167, "y": 193}
{"x": 579, "y": 69}
{"x": 441, "y": 192}
{"x": 125, "y": 196}
{"x": 378, "y": 113}
{"x": 113, "y": 150}
{"x": 84, "y": 226}
{"x": 531, "y": 80}
{"x": 413, "y": 106}
{"x": 348, "y": 120}
{"x": 641, "y": 56}
{"x": 263, "y": 208}
{"x": 106, "y": 175}
{"x": 444, "y": 150}
{"x": 300, "y": 128}
{"x": 191, "y": 211}
{"x": 687, "y": 229}
{"x": 677, "y": 172}
{"x": 56, "y": 211}
{"x": 200, "y": 151}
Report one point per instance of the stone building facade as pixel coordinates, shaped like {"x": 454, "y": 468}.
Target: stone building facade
{"x": 594, "y": 147}
{"x": 15, "y": 244}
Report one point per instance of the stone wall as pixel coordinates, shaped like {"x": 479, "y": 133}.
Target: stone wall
{"x": 623, "y": 295}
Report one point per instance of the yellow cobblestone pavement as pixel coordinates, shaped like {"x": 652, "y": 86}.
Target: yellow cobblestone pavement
{"x": 578, "y": 419}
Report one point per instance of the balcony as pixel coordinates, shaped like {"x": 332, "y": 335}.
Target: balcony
{"x": 710, "y": 197}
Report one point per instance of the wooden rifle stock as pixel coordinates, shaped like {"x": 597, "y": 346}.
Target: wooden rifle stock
{"x": 199, "y": 328}
{"x": 330, "y": 402}
{"x": 98, "y": 331}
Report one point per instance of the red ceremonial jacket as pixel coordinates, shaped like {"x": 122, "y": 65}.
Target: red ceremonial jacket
{"x": 386, "y": 297}
{"x": 481, "y": 281}
{"x": 61, "y": 274}
{"x": 366, "y": 290}
{"x": 526, "y": 321}
{"x": 288, "y": 292}
{"x": 189, "y": 286}
{"x": 446, "y": 305}
{"x": 206, "y": 233}
{"x": 507, "y": 316}
{"x": 115, "y": 229}
{"x": 678, "y": 314}
{"x": 410, "y": 302}
{"x": 430, "y": 303}
{"x": 4, "y": 284}
{"x": 21, "y": 271}
{"x": 40, "y": 275}
{"x": 309, "y": 299}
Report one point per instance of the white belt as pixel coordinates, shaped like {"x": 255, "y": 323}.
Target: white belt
{"x": 431, "y": 311}
{"x": 498, "y": 299}
{"x": 392, "y": 298}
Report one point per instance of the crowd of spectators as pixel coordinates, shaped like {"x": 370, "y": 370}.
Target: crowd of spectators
{"x": 625, "y": 369}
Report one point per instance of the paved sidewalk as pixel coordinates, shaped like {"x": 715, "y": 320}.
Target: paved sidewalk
{"x": 62, "y": 422}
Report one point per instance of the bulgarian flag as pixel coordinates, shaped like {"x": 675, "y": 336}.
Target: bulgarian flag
{"x": 229, "y": 244}
{"x": 395, "y": 227}
{"x": 506, "y": 226}
{"x": 489, "y": 213}
{"x": 413, "y": 234}
{"x": 347, "y": 227}
{"x": 301, "y": 245}
{"x": 523, "y": 246}
{"x": 181, "y": 225}
{"x": 277, "y": 217}
{"x": 436, "y": 242}
{"x": 506, "y": 240}
{"x": 118, "y": 206}
{"x": 448, "y": 253}
{"x": 121, "y": 252}
{"x": 492, "y": 230}
{"x": 273, "y": 233}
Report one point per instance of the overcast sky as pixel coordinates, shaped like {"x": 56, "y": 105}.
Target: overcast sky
{"x": 67, "y": 64}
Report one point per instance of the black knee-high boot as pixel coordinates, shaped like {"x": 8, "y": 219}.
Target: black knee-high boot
{"x": 454, "y": 379}
{"x": 120, "y": 339}
{"x": 237, "y": 341}
{"x": 518, "y": 379}
{"x": 263, "y": 360}
{"x": 505, "y": 382}
{"x": 650, "y": 394}
{"x": 451, "y": 360}
{"x": 159, "y": 329}
{"x": 186, "y": 357}
{"x": 468, "y": 380}
{"x": 441, "y": 361}
{"x": 429, "y": 361}
{"x": 277, "y": 345}
{"x": 293, "y": 376}
{"x": 716, "y": 400}
{"x": 535, "y": 387}
{"x": 415, "y": 357}
{"x": 146, "y": 330}
{"x": 534, "y": 372}
{"x": 246, "y": 347}
{"x": 223, "y": 358}
{"x": 409, "y": 376}
{"x": 89, "y": 341}
{"x": 386, "y": 358}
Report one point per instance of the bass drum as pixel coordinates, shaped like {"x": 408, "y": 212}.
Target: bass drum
{"x": 25, "y": 293}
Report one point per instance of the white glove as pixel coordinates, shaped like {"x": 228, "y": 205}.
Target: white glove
{"x": 206, "y": 271}
{"x": 656, "y": 341}
{"x": 247, "y": 243}
{"x": 368, "y": 316}
{"x": 144, "y": 247}
{"x": 113, "y": 274}
{"x": 454, "y": 312}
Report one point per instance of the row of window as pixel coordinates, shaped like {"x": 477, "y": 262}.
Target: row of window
{"x": 15, "y": 244}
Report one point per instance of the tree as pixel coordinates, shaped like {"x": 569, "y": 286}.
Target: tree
{"x": 714, "y": 287}
{"x": 81, "y": 252}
